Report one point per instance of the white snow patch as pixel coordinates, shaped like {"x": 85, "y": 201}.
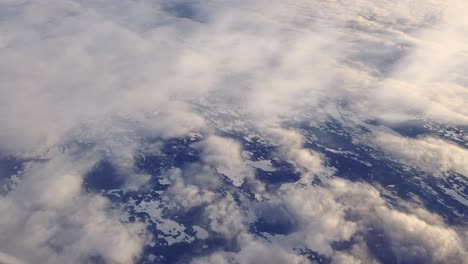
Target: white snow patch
{"x": 264, "y": 165}
{"x": 172, "y": 232}
{"x": 455, "y": 195}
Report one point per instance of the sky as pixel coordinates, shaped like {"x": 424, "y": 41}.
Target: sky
{"x": 82, "y": 81}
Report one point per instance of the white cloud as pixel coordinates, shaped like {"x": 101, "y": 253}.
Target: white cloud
{"x": 428, "y": 82}
{"x": 413, "y": 237}
{"x": 321, "y": 220}
{"x": 308, "y": 162}
{"x": 428, "y": 153}
{"x": 333, "y": 213}
{"x": 226, "y": 156}
{"x": 113, "y": 73}
{"x": 184, "y": 193}
{"x": 226, "y": 218}
{"x": 7, "y": 259}
{"x": 342, "y": 258}
{"x": 49, "y": 218}
{"x": 255, "y": 252}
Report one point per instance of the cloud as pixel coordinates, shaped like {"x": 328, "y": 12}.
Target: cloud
{"x": 86, "y": 70}
{"x": 279, "y": 62}
{"x": 226, "y": 218}
{"x": 342, "y": 258}
{"x": 439, "y": 91}
{"x": 290, "y": 147}
{"x": 226, "y": 156}
{"x": 189, "y": 195}
{"x": 111, "y": 75}
{"x": 428, "y": 153}
{"x": 339, "y": 211}
{"x": 7, "y": 259}
{"x": 255, "y": 252}
{"x": 50, "y": 219}
{"x": 412, "y": 236}
{"x": 321, "y": 220}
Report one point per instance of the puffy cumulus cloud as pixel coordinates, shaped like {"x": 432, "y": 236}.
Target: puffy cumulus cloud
{"x": 320, "y": 219}
{"x": 343, "y": 258}
{"x": 428, "y": 153}
{"x": 227, "y": 218}
{"x": 338, "y": 210}
{"x": 290, "y": 147}
{"x": 255, "y": 252}
{"x": 225, "y": 155}
{"x": 345, "y": 211}
{"x": 190, "y": 192}
{"x": 358, "y": 253}
{"x": 50, "y": 219}
{"x": 412, "y": 237}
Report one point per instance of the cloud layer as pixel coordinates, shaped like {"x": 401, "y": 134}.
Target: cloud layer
{"x": 83, "y": 82}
